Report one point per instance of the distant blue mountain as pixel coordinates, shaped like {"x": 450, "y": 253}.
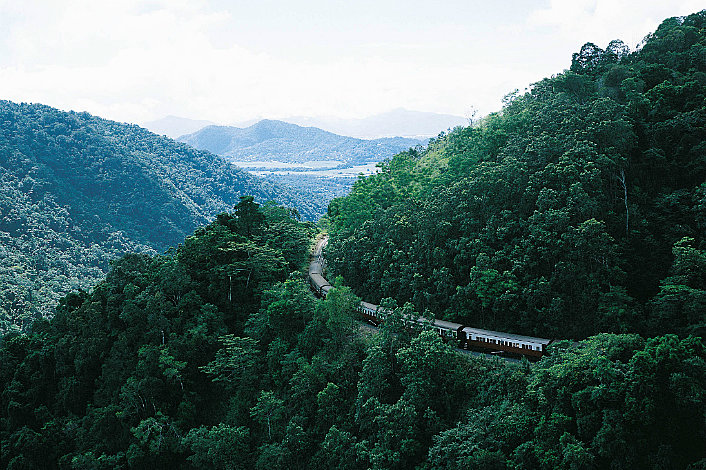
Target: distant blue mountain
{"x": 270, "y": 140}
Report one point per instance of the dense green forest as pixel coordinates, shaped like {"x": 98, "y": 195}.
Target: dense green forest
{"x": 77, "y": 191}
{"x": 214, "y": 356}
{"x": 579, "y": 208}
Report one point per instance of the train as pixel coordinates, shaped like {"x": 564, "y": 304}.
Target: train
{"x": 317, "y": 282}
{"x": 463, "y": 336}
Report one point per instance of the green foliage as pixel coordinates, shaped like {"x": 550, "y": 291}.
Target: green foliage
{"x": 77, "y": 191}
{"x": 234, "y": 362}
{"x": 215, "y": 355}
{"x": 138, "y": 372}
{"x": 219, "y": 447}
{"x": 680, "y": 304}
{"x": 555, "y": 217}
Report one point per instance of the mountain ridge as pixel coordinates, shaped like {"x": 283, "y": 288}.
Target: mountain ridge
{"x": 398, "y": 122}
{"x": 277, "y": 140}
{"x": 78, "y": 190}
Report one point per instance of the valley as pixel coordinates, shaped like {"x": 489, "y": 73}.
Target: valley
{"x": 197, "y": 303}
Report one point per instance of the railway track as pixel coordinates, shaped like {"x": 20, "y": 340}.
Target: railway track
{"x": 470, "y": 340}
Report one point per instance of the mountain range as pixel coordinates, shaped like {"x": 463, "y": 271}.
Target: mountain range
{"x": 396, "y": 123}
{"x": 280, "y": 141}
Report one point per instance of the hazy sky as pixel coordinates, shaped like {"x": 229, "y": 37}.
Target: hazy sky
{"x": 228, "y": 61}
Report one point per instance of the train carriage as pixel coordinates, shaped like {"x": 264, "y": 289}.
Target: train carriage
{"x": 496, "y": 341}
{"x": 448, "y": 330}
{"x": 317, "y": 282}
{"x": 464, "y": 337}
{"x": 371, "y": 313}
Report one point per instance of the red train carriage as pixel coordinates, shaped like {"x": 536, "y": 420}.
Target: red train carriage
{"x": 465, "y": 337}
{"x": 496, "y": 341}
{"x": 371, "y": 313}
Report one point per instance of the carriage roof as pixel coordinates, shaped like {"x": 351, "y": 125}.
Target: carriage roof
{"x": 498, "y": 334}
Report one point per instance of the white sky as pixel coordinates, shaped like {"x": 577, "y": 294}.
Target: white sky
{"x": 228, "y": 61}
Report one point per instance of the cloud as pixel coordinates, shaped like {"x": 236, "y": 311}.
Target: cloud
{"x": 133, "y": 61}
{"x": 600, "y": 21}
{"x": 137, "y": 60}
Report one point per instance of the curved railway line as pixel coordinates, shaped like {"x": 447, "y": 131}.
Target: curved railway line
{"x": 465, "y": 337}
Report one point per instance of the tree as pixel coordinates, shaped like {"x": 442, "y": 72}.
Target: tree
{"x": 219, "y": 447}
{"x": 248, "y": 216}
{"x": 681, "y": 302}
{"x": 588, "y": 59}
{"x": 269, "y": 412}
{"x": 234, "y": 363}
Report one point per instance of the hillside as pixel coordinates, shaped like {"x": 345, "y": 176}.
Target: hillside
{"x": 78, "y": 190}
{"x": 270, "y": 140}
{"x": 578, "y": 209}
{"x": 214, "y": 356}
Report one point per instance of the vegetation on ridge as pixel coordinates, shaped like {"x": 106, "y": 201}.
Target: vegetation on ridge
{"x": 578, "y": 209}
{"x": 212, "y": 356}
{"x": 77, "y": 191}
{"x": 215, "y": 355}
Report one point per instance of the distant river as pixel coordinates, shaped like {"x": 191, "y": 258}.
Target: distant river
{"x": 325, "y": 169}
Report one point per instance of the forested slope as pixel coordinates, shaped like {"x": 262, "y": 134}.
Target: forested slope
{"x": 579, "y": 208}
{"x": 77, "y": 190}
{"x": 213, "y": 356}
